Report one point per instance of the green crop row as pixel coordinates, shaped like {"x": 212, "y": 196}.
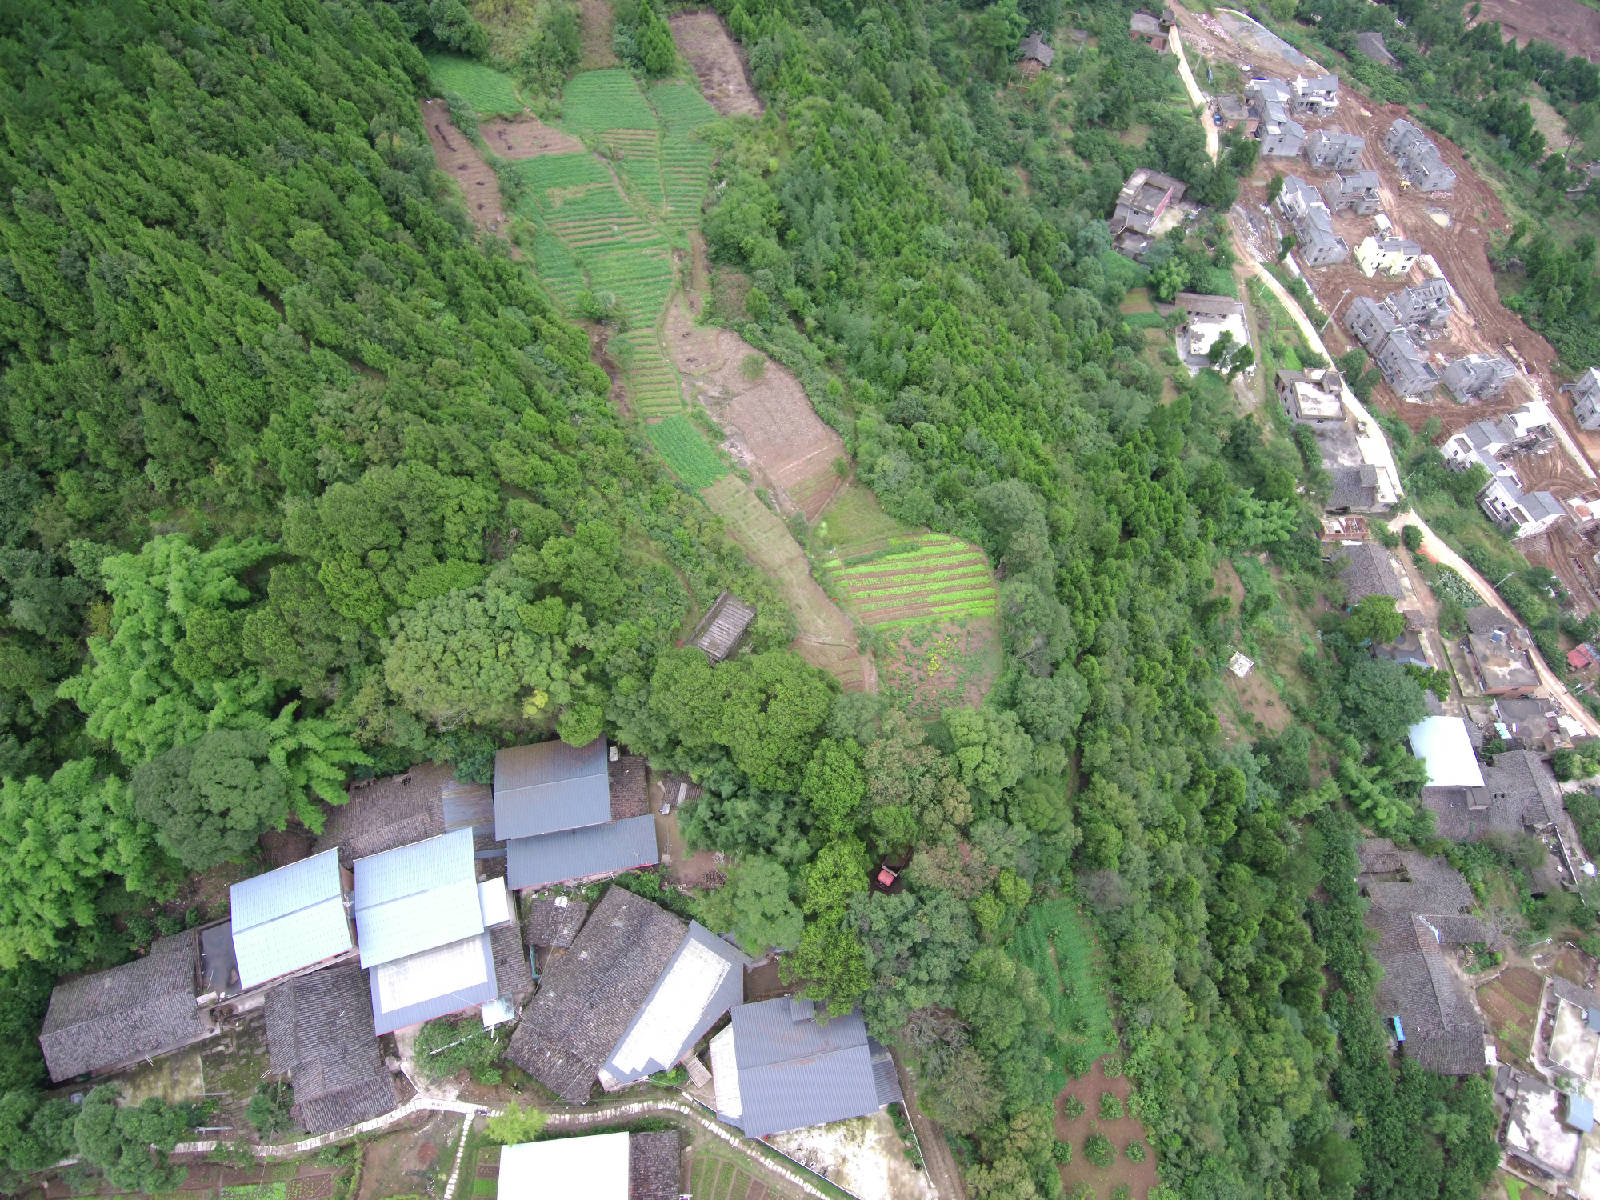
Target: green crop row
{"x": 902, "y": 595}
{"x": 897, "y": 563}
{"x": 488, "y": 91}
{"x": 945, "y": 612}
{"x": 599, "y": 100}
{"x": 681, "y": 106}
{"x": 885, "y": 587}
{"x": 686, "y": 451}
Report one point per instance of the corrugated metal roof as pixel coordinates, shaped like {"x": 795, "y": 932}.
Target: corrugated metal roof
{"x": 434, "y": 983}
{"x": 1446, "y": 749}
{"x": 580, "y": 853}
{"x": 704, "y": 980}
{"x": 289, "y": 918}
{"x": 794, "y": 1073}
{"x": 594, "y": 1167}
{"x": 416, "y": 897}
{"x": 550, "y": 786}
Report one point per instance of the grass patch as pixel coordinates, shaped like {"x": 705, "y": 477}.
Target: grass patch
{"x": 490, "y": 93}
{"x": 256, "y": 1191}
{"x": 686, "y": 451}
{"x": 855, "y": 519}
{"x": 1055, "y": 945}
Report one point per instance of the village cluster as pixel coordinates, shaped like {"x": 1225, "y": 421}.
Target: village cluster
{"x": 426, "y": 897}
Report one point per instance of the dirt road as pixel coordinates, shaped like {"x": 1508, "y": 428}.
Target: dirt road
{"x": 1195, "y": 94}
{"x": 1433, "y": 547}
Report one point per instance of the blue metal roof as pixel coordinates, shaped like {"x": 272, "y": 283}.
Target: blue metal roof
{"x": 580, "y": 853}
{"x": 1580, "y": 1113}
{"x": 550, "y": 786}
{"x": 416, "y": 897}
{"x": 456, "y": 988}
{"x": 289, "y": 918}
{"x": 796, "y": 1071}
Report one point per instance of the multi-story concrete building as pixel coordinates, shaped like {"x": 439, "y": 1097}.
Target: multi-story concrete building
{"x": 1391, "y": 255}
{"x": 1418, "y": 158}
{"x": 1478, "y": 376}
{"x": 1424, "y": 305}
{"x": 1334, "y": 151}
{"x": 1280, "y": 135}
{"x": 1586, "y": 398}
{"x": 1317, "y": 96}
{"x": 1356, "y": 190}
{"x": 1147, "y": 206}
{"x": 1303, "y": 207}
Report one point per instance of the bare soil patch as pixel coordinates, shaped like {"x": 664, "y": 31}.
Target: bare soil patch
{"x": 1564, "y": 551}
{"x": 1141, "y": 1176}
{"x": 527, "y": 138}
{"x": 718, "y": 63}
{"x": 773, "y": 430}
{"x": 1566, "y": 23}
{"x": 410, "y": 1161}
{"x": 943, "y": 664}
{"x": 597, "y": 20}
{"x": 1575, "y": 966}
{"x": 1259, "y": 699}
{"x": 827, "y": 639}
{"x": 459, "y": 159}
{"x": 1510, "y": 1003}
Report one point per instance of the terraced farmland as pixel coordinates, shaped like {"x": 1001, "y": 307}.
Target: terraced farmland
{"x": 932, "y": 577}
{"x": 686, "y": 451}
{"x": 490, "y": 93}
{"x": 685, "y": 159}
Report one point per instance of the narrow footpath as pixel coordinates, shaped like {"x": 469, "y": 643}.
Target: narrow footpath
{"x": 1207, "y": 125}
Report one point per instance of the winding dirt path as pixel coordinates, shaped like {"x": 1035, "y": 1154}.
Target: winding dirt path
{"x": 1175, "y": 42}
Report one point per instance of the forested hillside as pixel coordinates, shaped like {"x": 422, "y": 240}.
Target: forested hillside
{"x": 301, "y": 482}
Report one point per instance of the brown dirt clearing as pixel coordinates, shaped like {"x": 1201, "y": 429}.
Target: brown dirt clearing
{"x": 411, "y": 1160}
{"x": 944, "y": 664}
{"x": 1140, "y": 1177}
{"x": 527, "y": 138}
{"x": 718, "y": 63}
{"x": 1565, "y": 23}
{"x": 459, "y": 159}
{"x": 1510, "y": 1004}
{"x": 773, "y": 430}
{"x": 597, "y": 52}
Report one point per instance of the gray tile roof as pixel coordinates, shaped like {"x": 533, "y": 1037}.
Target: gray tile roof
{"x": 699, "y": 949}
{"x": 1417, "y": 911}
{"x": 289, "y": 919}
{"x": 724, "y": 624}
{"x": 416, "y": 897}
{"x": 589, "y": 994}
{"x": 630, "y": 796}
{"x": 219, "y": 969}
{"x": 550, "y": 786}
{"x": 655, "y": 1170}
{"x": 451, "y": 988}
{"x": 138, "y": 1010}
{"x": 512, "y": 970}
{"x": 582, "y": 853}
{"x": 796, "y": 1071}
{"x": 1035, "y": 47}
{"x": 1368, "y": 569}
{"x": 319, "y": 1033}
{"x": 554, "y": 924}
{"x": 398, "y": 810}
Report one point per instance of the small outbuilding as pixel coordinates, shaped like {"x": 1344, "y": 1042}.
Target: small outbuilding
{"x": 1445, "y": 747}
{"x": 723, "y": 627}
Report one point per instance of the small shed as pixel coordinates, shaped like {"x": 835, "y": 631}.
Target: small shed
{"x": 1035, "y": 50}
{"x": 1580, "y": 1113}
{"x": 723, "y": 627}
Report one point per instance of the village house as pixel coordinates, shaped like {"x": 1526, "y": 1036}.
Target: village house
{"x": 1355, "y": 190}
{"x": 1372, "y": 45}
{"x": 319, "y": 1037}
{"x": 1424, "y": 305}
{"x": 1311, "y": 397}
{"x": 1418, "y": 158}
{"x": 1391, "y": 255}
{"x": 723, "y": 627}
{"x": 1586, "y": 398}
{"x": 1478, "y": 376}
{"x": 1148, "y": 31}
{"x": 1034, "y": 54}
{"x": 561, "y": 818}
{"x": 1491, "y": 443}
{"x": 1280, "y": 135}
{"x": 1503, "y": 652}
{"x": 1397, "y": 356}
{"x": 1207, "y": 318}
{"x": 1317, "y": 96}
{"x": 292, "y": 919}
{"x": 1147, "y": 206}
{"x": 1303, "y": 207}
{"x": 1533, "y": 723}
{"x": 1420, "y": 909}
{"x": 1233, "y": 113}
{"x": 598, "y": 1166}
{"x": 630, "y": 997}
{"x": 780, "y": 1065}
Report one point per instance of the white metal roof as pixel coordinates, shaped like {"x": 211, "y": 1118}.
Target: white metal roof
{"x": 416, "y": 897}
{"x": 725, "y": 1076}
{"x": 661, "y": 1031}
{"x": 456, "y": 967}
{"x": 578, "y": 1168}
{"x": 289, "y": 918}
{"x": 494, "y": 902}
{"x": 1444, "y": 747}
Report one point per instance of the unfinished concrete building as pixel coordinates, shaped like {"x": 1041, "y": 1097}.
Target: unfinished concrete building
{"x": 1354, "y": 190}
{"x": 1280, "y": 135}
{"x": 1370, "y": 322}
{"x": 1405, "y": 368}
{"x": 1334, "y": 151}
{"x": 1418, "y": 158}
{"x": 1503, "y": 500}
{"x": 1424, "y": 305}
{"x": 1315, "y": 97}
{"x": 1478, "y": 376}
{"x": 1148, "y": 31}
{"x": 1311, "y": 397}
{"x": 1303, "y": 207}
{"x": 1586, "y": 398}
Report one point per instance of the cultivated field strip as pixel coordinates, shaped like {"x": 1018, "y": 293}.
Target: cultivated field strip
{"x": 685, "y": 159}
{"x": 490, "y": 93}
{"x": 598, "y": 101}
{"x": 931, "y": 577}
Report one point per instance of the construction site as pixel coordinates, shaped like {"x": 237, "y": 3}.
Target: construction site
{"x": 1447, "y": 233}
